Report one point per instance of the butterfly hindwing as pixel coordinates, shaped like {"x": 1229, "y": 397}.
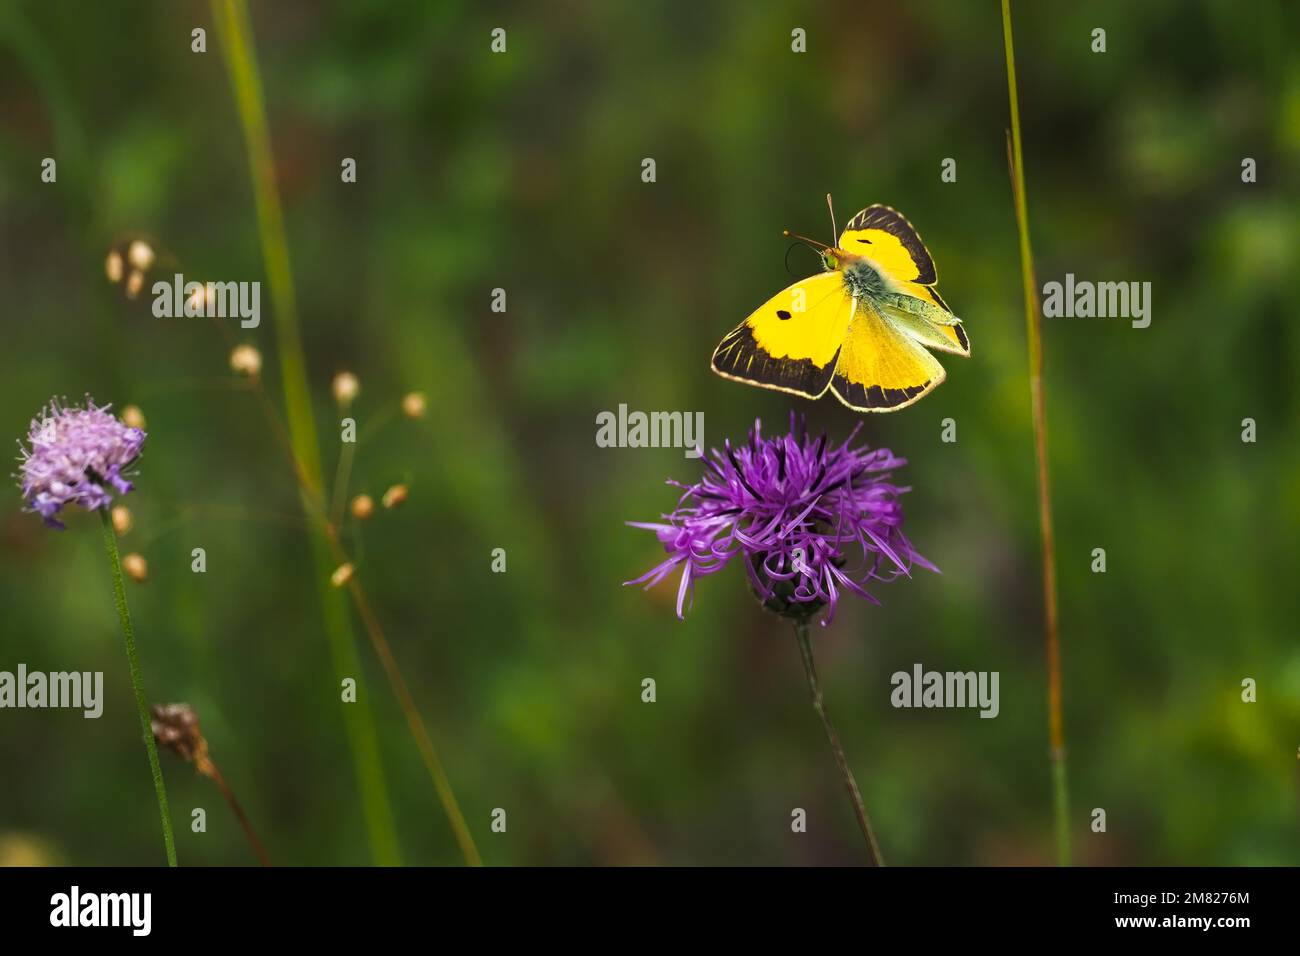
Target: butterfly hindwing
{"x": 792, "y": 341}
{"x": 884, "y": 236}
{"x": 945, "y": 337}
{"x": 882, "y": 368}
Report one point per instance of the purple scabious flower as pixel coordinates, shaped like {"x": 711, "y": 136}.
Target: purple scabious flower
{"x": 77, "y": 456}
{"x": 795, "y": 511}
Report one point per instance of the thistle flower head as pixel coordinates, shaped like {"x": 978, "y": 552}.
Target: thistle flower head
{"x": 77, "y": 456}
{"x": 796, "y": 510}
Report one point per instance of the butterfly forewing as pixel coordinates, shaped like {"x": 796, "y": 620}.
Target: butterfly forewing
{"x": 792, "y": 341}
{"x": 884, "y": 236}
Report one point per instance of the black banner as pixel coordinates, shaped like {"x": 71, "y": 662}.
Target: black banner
{"x": 333, "y": 906}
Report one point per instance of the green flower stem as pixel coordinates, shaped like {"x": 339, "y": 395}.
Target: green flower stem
{"x": 851, "y": 785}
{"x": 1034, "y": 328}
{"x": 422, "y": 740}
{"x": 236, "y": 32}
{"x": 342, "y": 474}
{"x": 137, "y": 684}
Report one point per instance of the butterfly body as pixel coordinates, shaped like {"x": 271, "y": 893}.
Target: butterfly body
{"x": 862, "y": 279}
{"x": 860, "y": 329}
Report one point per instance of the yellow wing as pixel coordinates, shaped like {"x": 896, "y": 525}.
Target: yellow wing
{"x": 884, "y": 236}
{"x": 887, "y": 239}
{"x": 945, "y": 338}
{"x": 881, "y": 367}
{"x": 792, "y": 341}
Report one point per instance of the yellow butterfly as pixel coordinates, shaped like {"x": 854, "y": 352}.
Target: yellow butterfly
{"x": 861, "y": 328}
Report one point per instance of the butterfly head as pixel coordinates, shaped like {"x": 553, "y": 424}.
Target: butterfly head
{"x": 832, "y": 257}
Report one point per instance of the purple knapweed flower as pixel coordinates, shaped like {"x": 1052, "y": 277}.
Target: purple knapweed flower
{"x": 77, "y": 456}
{"x": 794, "y": 510}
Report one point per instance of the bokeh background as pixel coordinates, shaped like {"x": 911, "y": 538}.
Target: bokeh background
{"x": 522, "y": 171}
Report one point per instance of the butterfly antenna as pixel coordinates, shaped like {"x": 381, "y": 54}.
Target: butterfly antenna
{"x": 804, "y": 239}
{"x": 829, "y": 205}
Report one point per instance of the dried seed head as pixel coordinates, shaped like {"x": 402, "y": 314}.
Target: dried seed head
{"x": 136, "y": 567}
{"x": 394, "y": 496}
{"x": 342, "y": 574}
{"x": 413, "y": 405}
{"x": 140, "y": 255}
{"x": 245, "y": 360}
{"x": 363, "y": 506}
{"x": 134, "y": 283}
{"x": 345, "y": 387}
{"x": 176, "y": 728}
{"x": 113, "y": 266}
{"x": 122, "y": 521}
{"x": 132, "y": 417}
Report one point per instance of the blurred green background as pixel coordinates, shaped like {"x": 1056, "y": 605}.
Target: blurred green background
{"x": 522, "y": 171}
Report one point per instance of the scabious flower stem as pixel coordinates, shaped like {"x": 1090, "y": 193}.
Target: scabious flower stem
{"x": 137, "y": 684}
{"x": 850, "y": 784}
{"x": 1034, "y": 322}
